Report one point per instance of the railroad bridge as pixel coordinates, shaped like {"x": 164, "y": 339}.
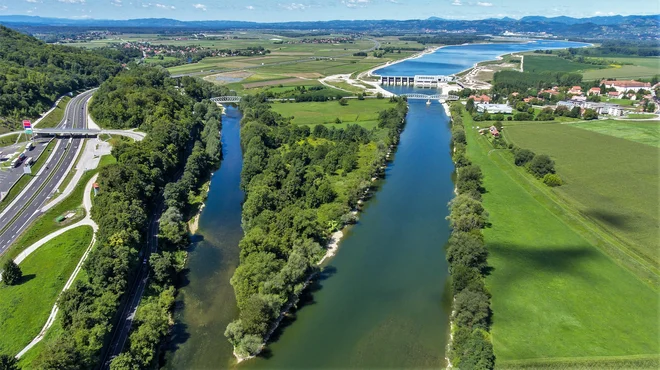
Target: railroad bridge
{"x": 226, "y": 99}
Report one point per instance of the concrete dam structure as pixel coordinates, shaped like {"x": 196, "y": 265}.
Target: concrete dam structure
{"x": 416, "y": 81}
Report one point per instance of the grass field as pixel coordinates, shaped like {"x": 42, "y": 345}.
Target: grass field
{"x": 642, "y": 67}
{"x": 645, "y": 132}
{"x": 551, "y": 63}
{"x": 362, "y": 112}
{"x": 11, "y": 139}
{"x": 25, "y": 307}
{"x": 555, "y": 295}
{"x": 612, "y": 181}
{"x": 641, "y": 116}
{"x": 55, "y": 117}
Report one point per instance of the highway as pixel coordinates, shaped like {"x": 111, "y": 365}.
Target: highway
{"x": 123, "y": 328}
{"x": 17, "y": 217}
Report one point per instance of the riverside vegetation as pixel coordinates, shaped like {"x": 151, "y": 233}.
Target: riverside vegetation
{"x": 179, "y": 131}
{"x": 301, "y": 185}
{"x": 471, "y": 347}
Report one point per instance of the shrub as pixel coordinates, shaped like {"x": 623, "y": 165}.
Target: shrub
{"x": 522, "y": 156}
{"x": 343, "y": 101}
{"x": 552, "y": 180}
{"x": 541, "y": 165}
{"x": 11, "y": 273}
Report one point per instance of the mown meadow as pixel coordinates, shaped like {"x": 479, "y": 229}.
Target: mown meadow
{"x": 558, "y": 299}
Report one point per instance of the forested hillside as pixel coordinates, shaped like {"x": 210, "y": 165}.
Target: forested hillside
{"x": 301, "y": 186}
{"x": 186, "y": 136}
{"x": 141, "y": 100}
{"x": 34, "y": 74}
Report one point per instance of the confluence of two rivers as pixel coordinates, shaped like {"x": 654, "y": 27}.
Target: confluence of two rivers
{"x": 383, "y": 300}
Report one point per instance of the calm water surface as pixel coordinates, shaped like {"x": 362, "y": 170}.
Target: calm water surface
{"x": 383, "y": 301}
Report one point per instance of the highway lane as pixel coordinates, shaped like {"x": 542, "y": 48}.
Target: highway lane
{"x": 21, "y": 214}
{"x": 123, "y": 328}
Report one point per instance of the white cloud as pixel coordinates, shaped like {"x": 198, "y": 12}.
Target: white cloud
{"x": 355, "y": 3}
{"x": 484, "y": 4}
{"x": 116, "y": 2}
{"x": 457, "y": 3}
{"x": 200, "y": 6}
{"x": 72, "y": 1}
{"x": 162, "y": 6}
{"x": 3, "y": 7}
{"x": 249, "y": 7}
{"x": 294, "y": 6}
{"x": 603, "y": 13}
{"x": 32, "y": 1}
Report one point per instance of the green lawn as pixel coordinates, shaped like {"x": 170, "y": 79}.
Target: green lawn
{"x": 55, "y": 117}
{"x": 624, "y": 71}
{"x": 11, "y": 139}
{"x": 25, "y": 307}
{"x": 555, "y": 294}
{"x": 610, "y": 180}
{"x": 641, "y": 116}
{"x": 363, "y": 112}
{"x": 645, "y": 132}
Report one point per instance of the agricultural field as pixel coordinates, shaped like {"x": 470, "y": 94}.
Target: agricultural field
{"x": 645, "y": 132}
{"x": 25, "y": 307}
{"x": 552, "y": 63}
{"x": 362, "y": 112}
{"x": 610, "y": 180}
{"x": 642, "y": 67}
{"x": 552, "y": 286}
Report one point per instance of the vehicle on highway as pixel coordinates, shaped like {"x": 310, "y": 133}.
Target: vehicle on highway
{"x": 28, "y": 162}
{"x": 29, "y": 146}
{"x": 18, "y": 160}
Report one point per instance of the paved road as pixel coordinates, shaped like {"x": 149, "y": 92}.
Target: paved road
{"x": 123, "y": 328}
{"x": 21, "y": 213}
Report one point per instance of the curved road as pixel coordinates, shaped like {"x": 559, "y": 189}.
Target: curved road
{"x": 25, "y": 209}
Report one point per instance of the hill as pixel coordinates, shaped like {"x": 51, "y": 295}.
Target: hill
{"x": 34, "y": 74}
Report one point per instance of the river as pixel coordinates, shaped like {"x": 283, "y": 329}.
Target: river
{"x": 383, "y": 301}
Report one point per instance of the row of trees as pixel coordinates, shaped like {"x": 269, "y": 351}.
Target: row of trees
{"x": 181, "y": 201}
{"x": 471, "y": 347}
{"x": 539, "y": 165}
{"x": 129, "y": 192}
{"x": 507, "y": 82}
{"x": 34, "y": 74}
{"x": 292, "y": 206}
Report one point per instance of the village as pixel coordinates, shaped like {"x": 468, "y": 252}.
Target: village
{"x": 612, "y": 98}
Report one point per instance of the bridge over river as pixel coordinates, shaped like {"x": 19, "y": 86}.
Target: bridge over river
{"x": 411, "y": 96}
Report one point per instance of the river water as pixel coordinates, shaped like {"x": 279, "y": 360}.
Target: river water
{"x": 383, "y": 301}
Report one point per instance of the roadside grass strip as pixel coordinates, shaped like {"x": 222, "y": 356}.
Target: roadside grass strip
{"x": 25, "y": 307}
{"x": 554, "y": 293}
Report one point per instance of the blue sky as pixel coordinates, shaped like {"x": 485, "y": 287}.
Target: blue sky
{"x": 291, "y": 10}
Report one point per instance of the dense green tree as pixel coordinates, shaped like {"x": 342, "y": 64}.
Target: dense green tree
{"x": 522, "y": 156}
{"x": 8, "y": 362}
{"x": 467, "y": 214}
{"x": 11, "y": 273}
{"x": 541, "y": 165}
{"x": 471, "y": 309}
{"x": 467, "y": 249}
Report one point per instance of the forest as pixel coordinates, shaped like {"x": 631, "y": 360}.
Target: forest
{"x": 301, "y": 185}
{"x": 130, "y": 192}
{"x": 34, "y": 74}
{"x": 507, "y": 82}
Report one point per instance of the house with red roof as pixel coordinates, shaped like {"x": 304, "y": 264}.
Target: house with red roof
{"x": 594, "y": 91}
{"x": 484, "y": 99}
{"x": 622, "y": 86}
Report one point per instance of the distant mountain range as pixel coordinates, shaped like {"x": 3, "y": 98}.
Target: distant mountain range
{"x": 633, "y": 26}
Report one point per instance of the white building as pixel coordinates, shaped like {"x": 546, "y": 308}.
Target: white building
{"x": 494, "y": 108}
{"x": 623, "y": 86}
{"x": 431, "y": 81}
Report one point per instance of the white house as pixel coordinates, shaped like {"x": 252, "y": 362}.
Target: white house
{"x": 494, "y": 108}
{"x": 623, "y": 86}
